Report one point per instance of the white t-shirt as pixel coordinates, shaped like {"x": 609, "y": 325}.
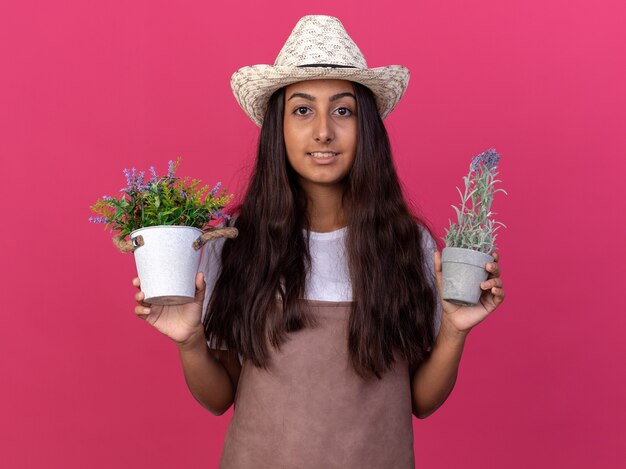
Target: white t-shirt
{"x": 329, "y": 278}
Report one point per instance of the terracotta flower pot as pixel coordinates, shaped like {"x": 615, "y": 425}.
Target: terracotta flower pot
{"x": 463, "y": 270}
{"x": 167, "y": 263}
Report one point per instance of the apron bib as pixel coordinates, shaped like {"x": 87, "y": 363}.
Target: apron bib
{"x": 311, "y": 410}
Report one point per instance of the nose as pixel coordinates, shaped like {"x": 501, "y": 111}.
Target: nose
{"x": 323, "y": 130}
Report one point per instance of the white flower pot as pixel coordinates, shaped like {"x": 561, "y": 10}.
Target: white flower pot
{"x": 167, "y": 263}
{"x": 463, "y": 270}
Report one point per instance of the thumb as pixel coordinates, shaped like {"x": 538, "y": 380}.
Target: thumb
{"x": 200, "y": 288}
{"x": 438, "y": 273}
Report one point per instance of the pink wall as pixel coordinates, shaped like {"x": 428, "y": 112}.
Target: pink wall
{"x": 86, "y": 90}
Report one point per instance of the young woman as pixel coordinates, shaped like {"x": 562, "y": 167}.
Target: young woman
{"x": 322, "y": 322}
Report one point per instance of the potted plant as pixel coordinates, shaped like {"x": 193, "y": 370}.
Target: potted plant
{"x": 164, "y": 221}
{"x": 470, "y": 241}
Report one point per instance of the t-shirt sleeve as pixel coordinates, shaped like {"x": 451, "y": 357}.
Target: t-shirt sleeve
{"x": 429, "y": 247}
{"x": 210, "y": 266}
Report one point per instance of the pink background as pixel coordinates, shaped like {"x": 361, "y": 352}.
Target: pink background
{"x": 87, "y": 89}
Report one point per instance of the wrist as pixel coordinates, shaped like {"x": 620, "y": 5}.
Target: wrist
{"x": 195, "y": 340}
{"x": 450, "y": 334}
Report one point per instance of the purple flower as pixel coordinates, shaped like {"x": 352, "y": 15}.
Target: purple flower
{"x": 220, "y": 214}
{"x": 107, "y": 198}
{"x": 155, "y": 176}
{"x": 129, "y": 180}
{"x": 99, "y": 219}
{"x": 215, "y": 189}
{"x": 489, "y": 159}
{"x": 134, "y": 181}
{"x": 139, "y": 185}
{"x": 183, "y": 194}
{"x": 170, "y": 169}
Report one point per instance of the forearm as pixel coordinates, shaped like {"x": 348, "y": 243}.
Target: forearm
{"x": 434, "y": 380}
{"x": 207, "y": 379}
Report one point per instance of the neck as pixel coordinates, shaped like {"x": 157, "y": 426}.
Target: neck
{"x": 325, "y": 208}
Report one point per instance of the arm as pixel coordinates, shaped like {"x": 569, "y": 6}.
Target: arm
{"x": 207, "y": 375}
{"x": 211, "y": 374}
{"x": 207, "y": 378}
{"x": 434, "y": 380}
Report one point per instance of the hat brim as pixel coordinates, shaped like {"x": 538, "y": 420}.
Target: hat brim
{"x": 253, "y": 85}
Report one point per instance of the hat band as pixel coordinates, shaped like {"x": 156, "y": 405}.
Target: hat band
{"x": 327, "y": 65}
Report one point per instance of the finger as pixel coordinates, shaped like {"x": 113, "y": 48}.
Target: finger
{"x": 494, "y": 282}
{"x": 438, "y": 267}
{"x": 493, "y": 269}
{"x": 200, "y": 288}
{"x": 498, "y": 295}
{"x": 142, "y": 311}
{"x": 136, "y": 282}
{"x": 139, "y": 297}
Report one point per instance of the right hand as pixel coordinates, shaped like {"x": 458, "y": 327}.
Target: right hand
{"x": 181, "y": 323}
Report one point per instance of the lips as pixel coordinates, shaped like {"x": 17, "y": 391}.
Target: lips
{"x": 323, "y": 154}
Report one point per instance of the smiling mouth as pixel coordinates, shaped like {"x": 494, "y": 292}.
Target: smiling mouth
{"x": 323, "y": 155}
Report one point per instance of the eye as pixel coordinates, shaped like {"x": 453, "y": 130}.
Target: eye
{"x": 299, "y": 108}
{"x": 348, "y": 113}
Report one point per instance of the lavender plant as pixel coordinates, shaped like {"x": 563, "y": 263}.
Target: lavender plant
{"x": 165, "y": 200}
{"x": 474, "y": 228}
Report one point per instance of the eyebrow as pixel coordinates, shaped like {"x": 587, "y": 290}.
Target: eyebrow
{"x": 312, "y": 98}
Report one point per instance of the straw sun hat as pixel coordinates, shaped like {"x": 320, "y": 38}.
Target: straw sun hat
{"x": 318, "y": 48}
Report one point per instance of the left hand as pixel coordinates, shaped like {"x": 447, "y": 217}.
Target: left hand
{"x": 461, "y": 319}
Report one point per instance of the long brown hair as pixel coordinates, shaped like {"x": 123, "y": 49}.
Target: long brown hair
{"x": 394, "y": 303}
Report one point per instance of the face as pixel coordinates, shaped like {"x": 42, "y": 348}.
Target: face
{"x": 320, "y": 116}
